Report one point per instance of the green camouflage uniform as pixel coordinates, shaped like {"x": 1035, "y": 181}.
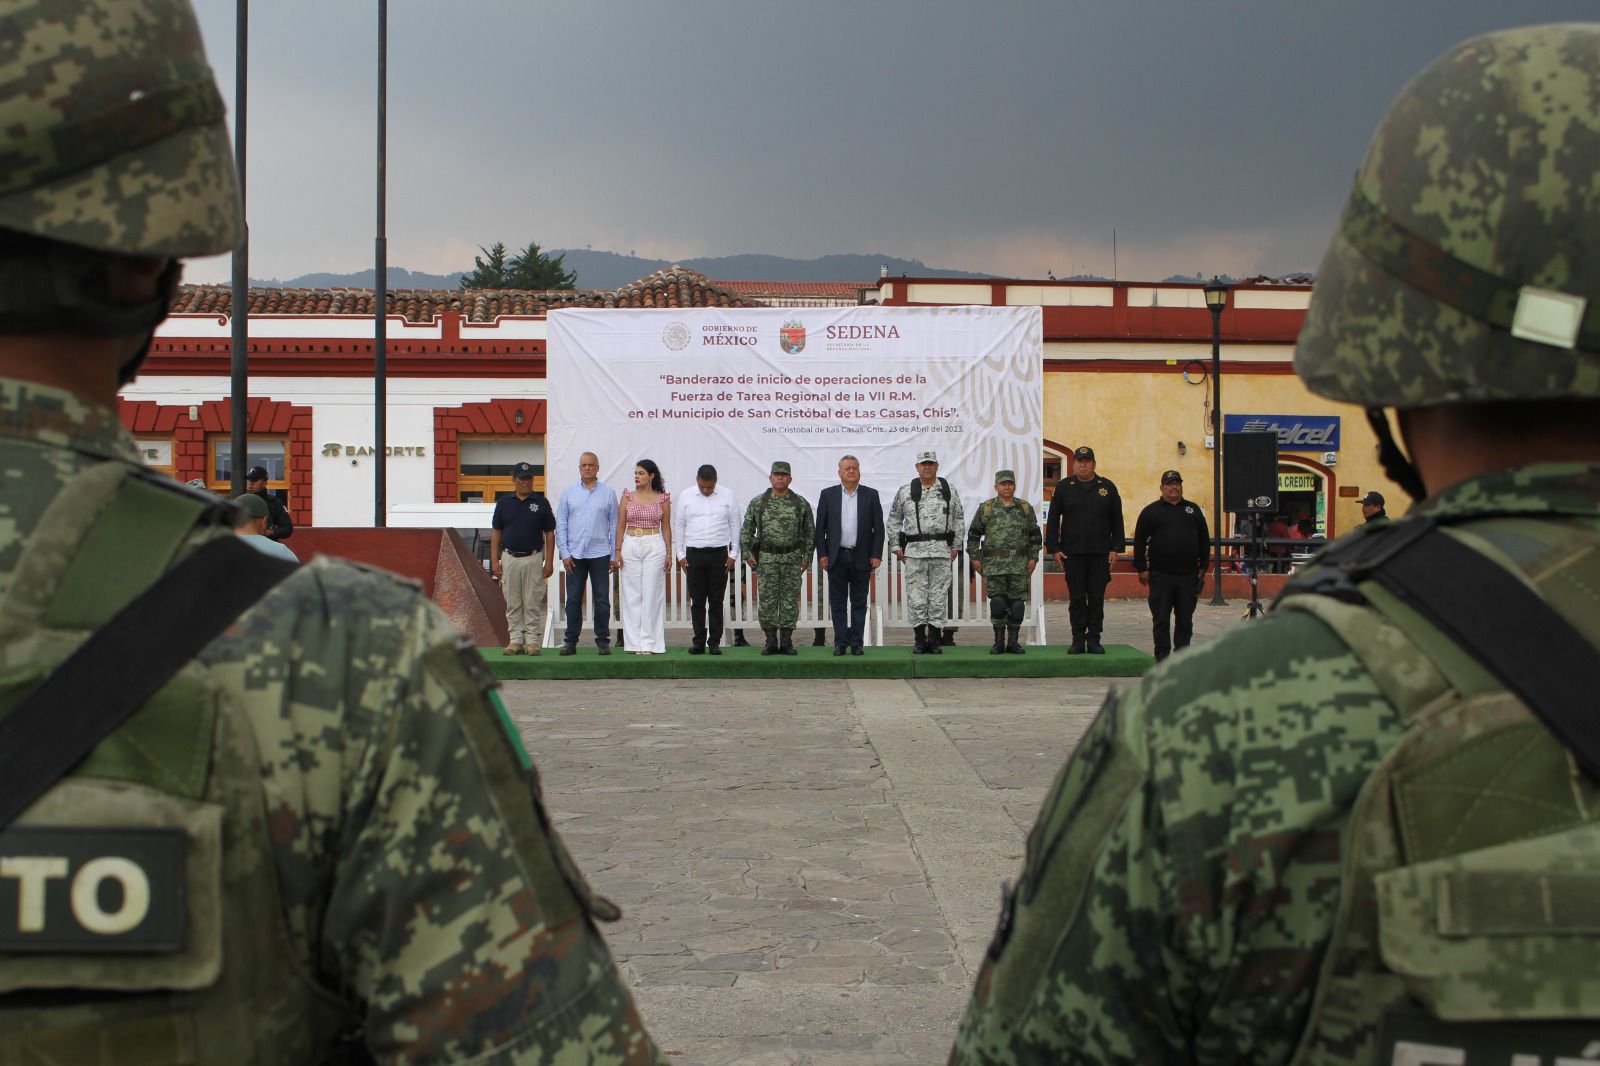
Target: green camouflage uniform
{"x": 382, "y": 858}
{"x": 1004, "y": 538}
{"x": 328, "y": 809}
{"x": 1333, "y": 829}
{"x": 1183, "y": 879}
{"x": 779, "y": 532}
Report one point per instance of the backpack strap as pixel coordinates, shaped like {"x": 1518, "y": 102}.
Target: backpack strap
{"x": 124, "y": 663}
{"x": 1519, "y": 640}
{"x": 109, "y": 532}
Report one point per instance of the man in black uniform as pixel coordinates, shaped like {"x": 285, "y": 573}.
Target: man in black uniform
{"x": 1084, "y": 532}
{"x": 1170, "y": 546}
{"x": 1372, "y": 508}
{"x": 278, "y": 525}
{"x": 522, "y": 551}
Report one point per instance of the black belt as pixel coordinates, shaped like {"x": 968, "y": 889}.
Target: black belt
{"x": 524, "y": 555}
{"x": 916, "y": 538}
{"x": 723, "y": 548}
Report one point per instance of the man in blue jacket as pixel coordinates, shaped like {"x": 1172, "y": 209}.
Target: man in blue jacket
{"x": 849, "y": 548}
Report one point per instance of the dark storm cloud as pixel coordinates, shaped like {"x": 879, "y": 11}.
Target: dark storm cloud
{"x": 1004, "y": 137}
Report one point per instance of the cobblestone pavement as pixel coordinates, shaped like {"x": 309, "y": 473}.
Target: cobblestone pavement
{"x": 809, "y": 872}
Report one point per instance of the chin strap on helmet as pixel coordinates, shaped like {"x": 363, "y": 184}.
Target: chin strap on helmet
{"x": 166, "y": 292}
{"x": 1396, "y": 466}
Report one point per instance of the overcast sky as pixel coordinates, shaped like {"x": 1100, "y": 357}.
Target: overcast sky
{"x": 1003, "y": 137}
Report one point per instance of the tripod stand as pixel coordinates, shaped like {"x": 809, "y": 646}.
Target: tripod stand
{"x": 1254, "y": 609}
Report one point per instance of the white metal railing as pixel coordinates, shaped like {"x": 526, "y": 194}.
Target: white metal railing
{"x": 968, "y": 605}
{"x": 886, "y": 606}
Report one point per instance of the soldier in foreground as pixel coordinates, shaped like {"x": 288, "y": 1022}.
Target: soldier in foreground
{"x": 1367, "y": 828}
{"x": 777, "y": 536}
{"x": 323, "y": 832}
{"x": 1004, "y": 543}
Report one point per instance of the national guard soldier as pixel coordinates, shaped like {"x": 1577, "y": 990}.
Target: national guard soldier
{"x": 777, "y": 535}
{"x": 1365, "y": 828}
{"x": 1084, "y": 532}
{"x": 320, "y": 834}
{"x": 924, "y": 522}
{"x": 1004, "y": 543}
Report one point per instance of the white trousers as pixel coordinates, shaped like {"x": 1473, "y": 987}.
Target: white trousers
{"x": 644, "y": 594}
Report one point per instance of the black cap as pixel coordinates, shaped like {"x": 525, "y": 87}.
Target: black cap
{"x": 521, "y": 470}
{"x": 1168, "y": 477}
{"x": 1085, "y": 452}
{"x": 256, "y": 473}
{"x": 1374, "y": 498}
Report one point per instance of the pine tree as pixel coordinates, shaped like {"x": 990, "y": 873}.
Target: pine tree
{"x": 488, "y": 275}
{"x": 531, "y": 269}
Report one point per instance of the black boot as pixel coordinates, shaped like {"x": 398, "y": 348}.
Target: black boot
{"x": 1094, "y": 645}
{"x": 1077, "y": 645}
{"x": 771, "y": 647}
{"x": 819, "y": 639}
{"x": 999, "y": 641}
{"x": 948, "y": 638}
{"x": 786, "y": 642}
{"x": 1013, "y": 644}
{"x": 920, "y": 647}
{"x": 738, "y": 639}
{"x": 934, "y": 641}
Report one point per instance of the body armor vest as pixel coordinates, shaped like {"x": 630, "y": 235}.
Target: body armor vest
{"x": 1468, "y": 930}
{"x": 140, "y": 920}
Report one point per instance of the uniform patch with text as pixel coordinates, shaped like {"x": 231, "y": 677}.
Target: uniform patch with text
{"x": 68, "y": 890}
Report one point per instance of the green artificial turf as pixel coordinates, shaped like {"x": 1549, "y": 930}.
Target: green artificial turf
{"x": 1120, "y": 660}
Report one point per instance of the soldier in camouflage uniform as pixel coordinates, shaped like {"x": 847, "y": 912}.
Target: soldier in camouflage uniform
{"x": 777, "y": 535}
{"x": 1335, "y": 835}
{"x": 358, "y": 851}
{"x": 1004, "y": 542}
{"x": 924, "y": 522}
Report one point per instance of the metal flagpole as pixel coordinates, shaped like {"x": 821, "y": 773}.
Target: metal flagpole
{"x": 239, "y": 319}
{"x": 380, "y": 294}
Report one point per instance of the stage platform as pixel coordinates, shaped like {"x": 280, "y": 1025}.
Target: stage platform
{"x": 1120, "y": 660}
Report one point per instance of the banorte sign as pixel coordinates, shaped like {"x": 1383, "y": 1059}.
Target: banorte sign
{"x": 333, "y": 451}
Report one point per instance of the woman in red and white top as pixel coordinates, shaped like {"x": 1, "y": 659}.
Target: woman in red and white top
{"x": 644, "y": 548}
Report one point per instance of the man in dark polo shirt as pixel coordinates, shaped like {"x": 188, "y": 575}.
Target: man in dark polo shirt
{"x": 1171, "y": 543}
{"x": 522, "y": 546}
{"x": 279, "y": 526}
{"x": 1083, "y": 532}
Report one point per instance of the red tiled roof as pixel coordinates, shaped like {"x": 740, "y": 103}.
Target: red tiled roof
{"x": 673, "y": 287}
{"x": 847, "y": 290}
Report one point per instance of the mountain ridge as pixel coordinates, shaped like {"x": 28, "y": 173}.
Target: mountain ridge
{"x": 613, "y": 270}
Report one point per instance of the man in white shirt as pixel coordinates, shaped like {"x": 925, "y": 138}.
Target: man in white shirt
{"x": 705, "y": 531}
{"x": 850, "y": 547}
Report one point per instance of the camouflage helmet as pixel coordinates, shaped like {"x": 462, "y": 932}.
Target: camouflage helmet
{"x": 114, "y": 131}
{"x": 1466, "y": 267}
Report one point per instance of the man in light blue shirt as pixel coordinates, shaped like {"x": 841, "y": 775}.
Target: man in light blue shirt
{"x": 253, "y": 530}
{"x": 586, "y": 531}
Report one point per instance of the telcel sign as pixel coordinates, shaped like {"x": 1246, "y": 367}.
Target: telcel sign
{"x": 1296, "y": 433}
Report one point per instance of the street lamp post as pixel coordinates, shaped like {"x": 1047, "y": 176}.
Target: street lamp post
{"x": 1216, "y": 300}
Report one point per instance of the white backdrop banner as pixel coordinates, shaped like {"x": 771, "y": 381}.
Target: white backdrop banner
{"x": 742, "y": 387}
